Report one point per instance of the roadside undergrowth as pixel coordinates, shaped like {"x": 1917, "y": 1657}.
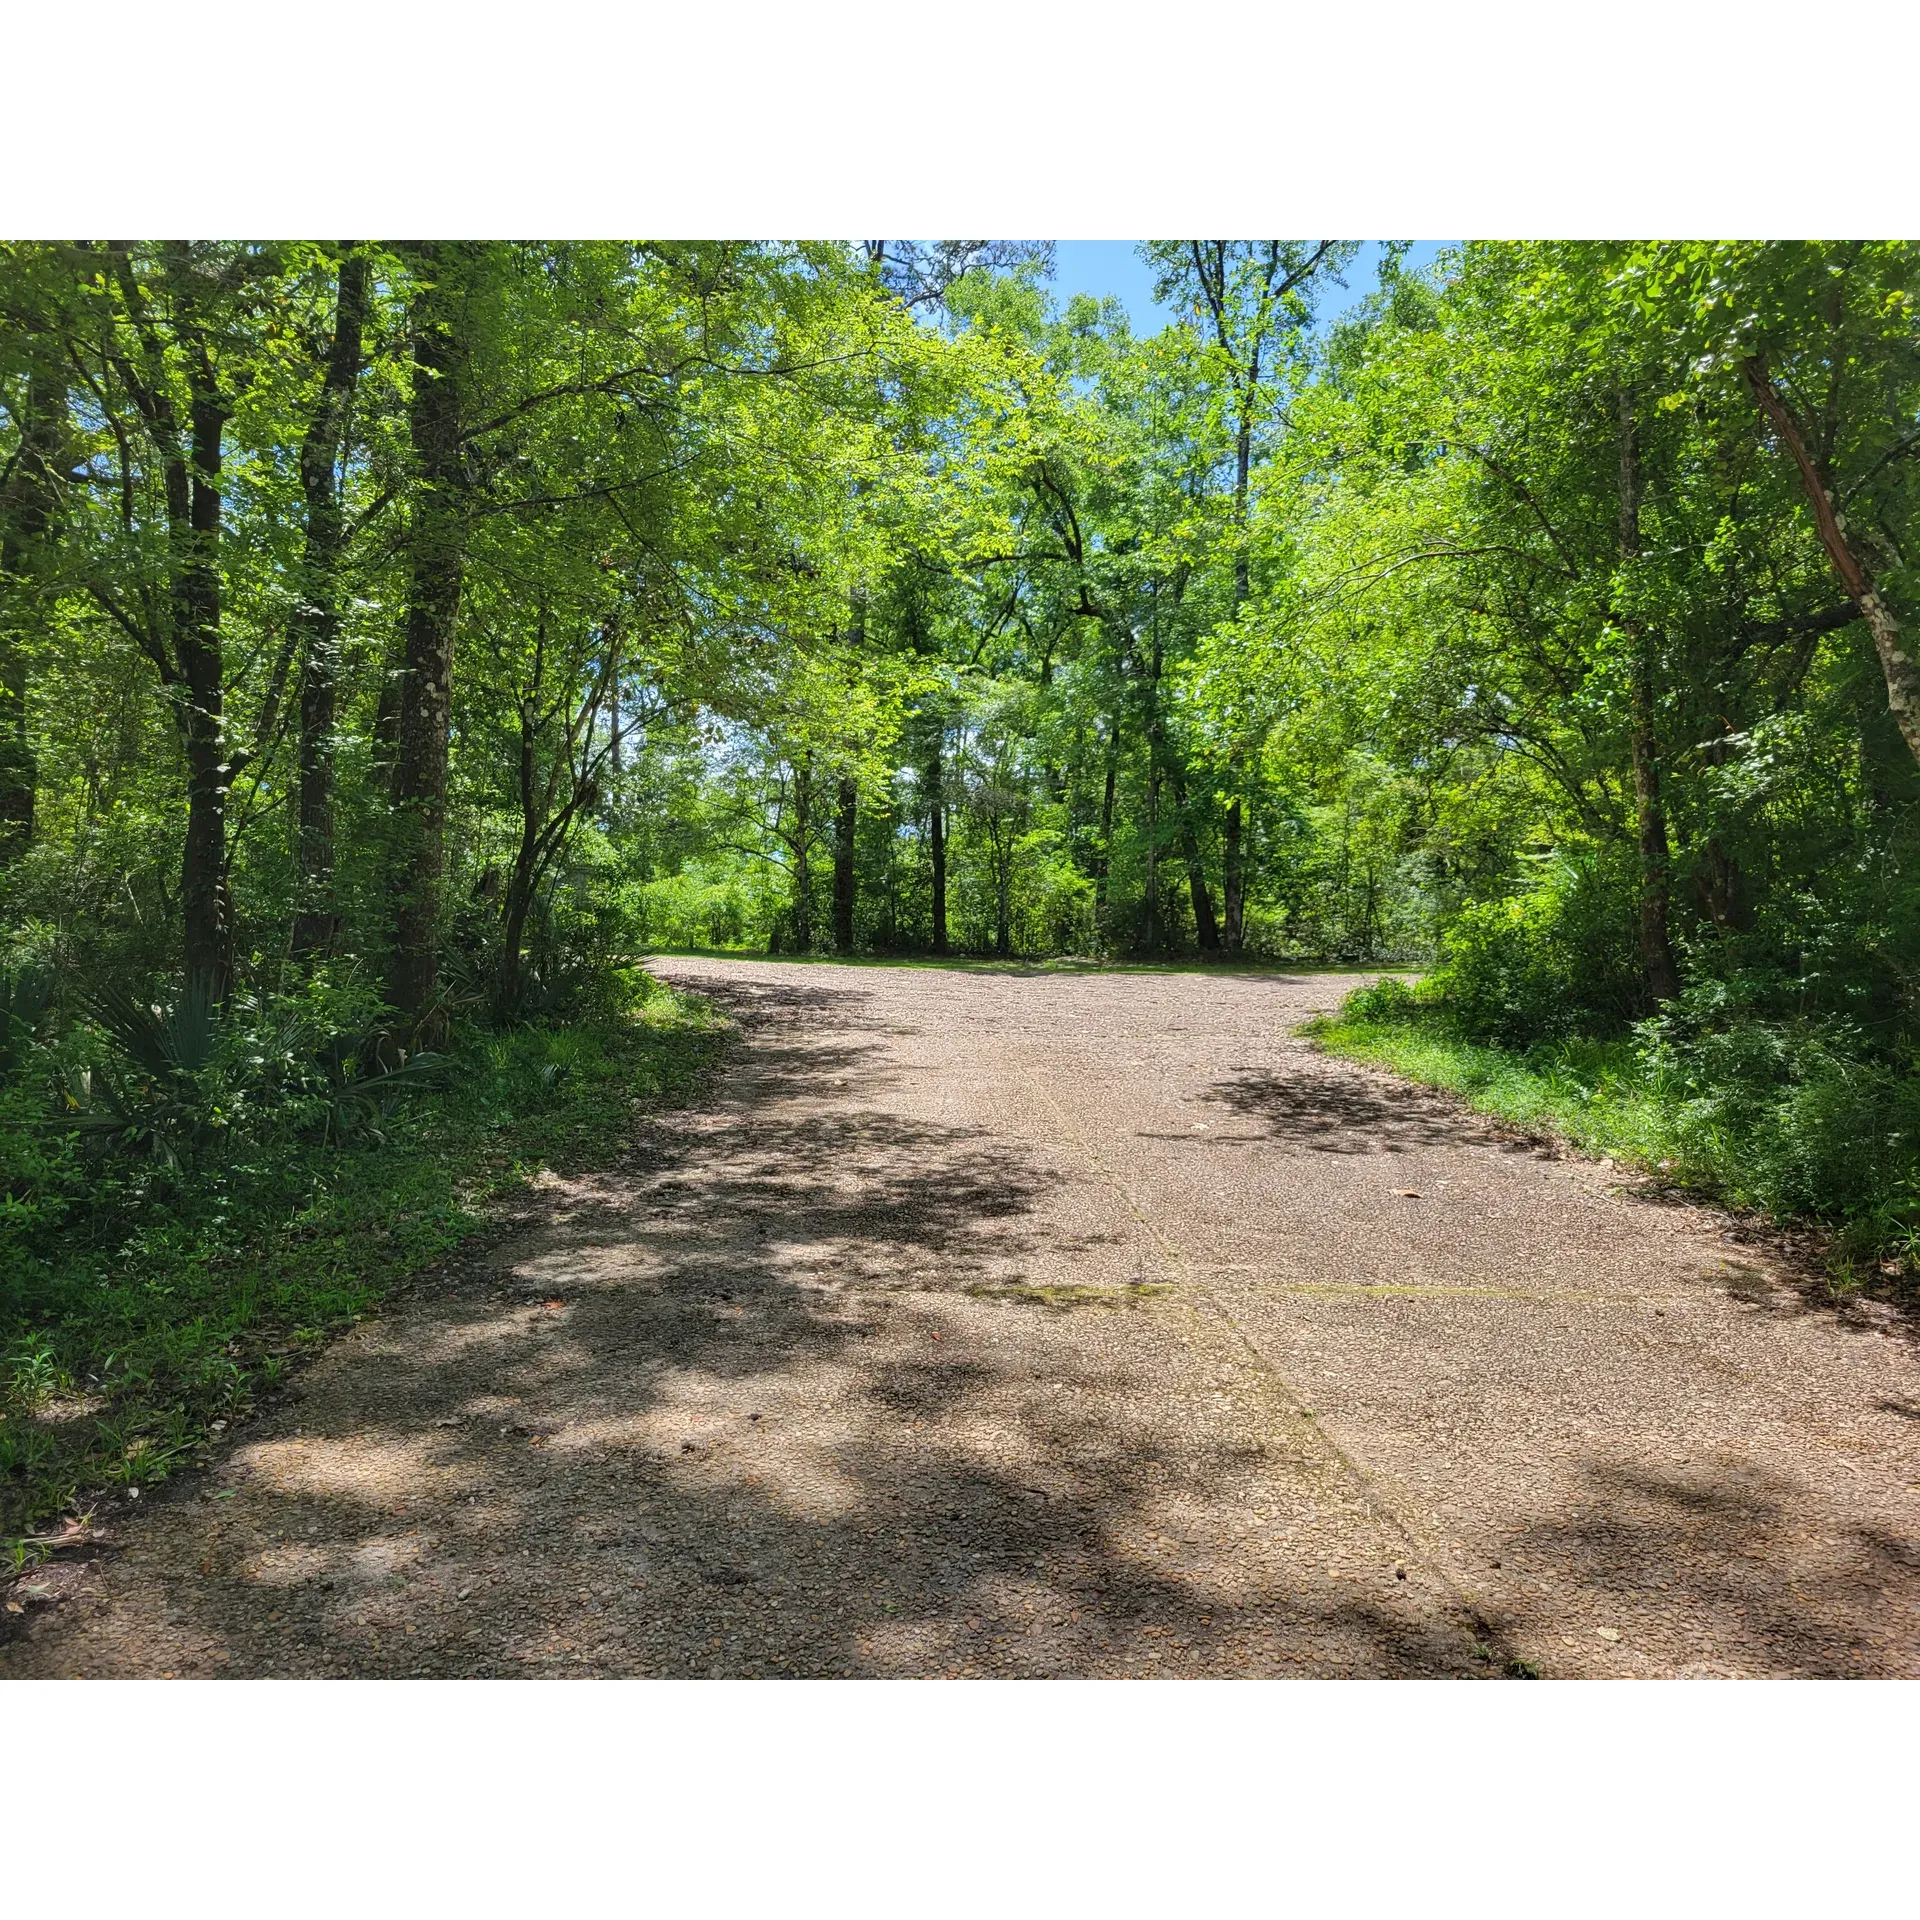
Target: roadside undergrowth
{"x": 1617, "y": 1099}
{"x": 160, "y": 1314}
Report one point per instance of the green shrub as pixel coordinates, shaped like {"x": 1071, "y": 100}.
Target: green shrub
{"x": 1556, "y": 960}
{"x": 1385, "y": 1002}
{"x": 164, "y": 1296}
{"x": 1796, "y": 1116}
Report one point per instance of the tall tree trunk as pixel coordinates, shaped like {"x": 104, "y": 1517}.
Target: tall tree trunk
{"x": 802, "y": 856}
{"x": 185, "y": 643}
{"x": 1206, "y": 927}
{"x": 1896, "y": 663}
{"x": 1656, "y": 859}
{"x": 28, "y": 519}
{"x": 201, "y": 694}
{"x": 1242, "y": 480}
{"x": 436, "y": 565}
{"x": 937, "y": 838}
{"x": 317, "y": 615}
{"x": 846, "y": 800}
{"x": 1103, "y": 852}
{"x": 1155, "y": 927}
{"x": 517, "y": 901}
{"x": 1234, "y": 879}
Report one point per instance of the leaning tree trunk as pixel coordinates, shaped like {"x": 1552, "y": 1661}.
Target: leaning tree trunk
{"x": 436, "y": 558}
{"x": 846, "y": 801}
{"x": 28, "y": 511}
{"x": 1656, "y": 859}
{"x": 1896, "y": 663}
{"x": 316, "y": 921}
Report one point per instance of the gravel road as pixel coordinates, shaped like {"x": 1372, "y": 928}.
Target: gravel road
{"x": 1013, "y": 1323}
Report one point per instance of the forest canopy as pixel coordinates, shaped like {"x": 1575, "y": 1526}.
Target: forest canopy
{"x": 476, "y": 612}
{"x": 399, "y": 639}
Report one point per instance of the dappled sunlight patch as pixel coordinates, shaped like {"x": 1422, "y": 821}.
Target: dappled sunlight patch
{"x": 386, "y": 1557}
{"x": 366, "y": 1467}
{"x": 453, "y": 1343}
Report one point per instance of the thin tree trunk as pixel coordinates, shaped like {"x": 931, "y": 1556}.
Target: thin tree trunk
{"x": 27, "y": 525}
{"x": 518, "y": 899}
{"x": 937, "y": 840}
{"x": 1233, "y": 879}
{"x": 196, "y": 613}
{"x": 1656, "y": 859}
{"x": 1896, "y": 664}
{"x": 1242, "y": 478}
{"x": 1103, "y": 852}
{"x": 847, "y": 799}
{"x": 1656, "y": 946}
{"x": 1155, "y": 939}
{"x": 316, "y": 923}
{"x": 436, "y": 567}
{"x": 1206, "y": 927}
{"x": 802, "y": 859}
{"x": 185, "y": 646}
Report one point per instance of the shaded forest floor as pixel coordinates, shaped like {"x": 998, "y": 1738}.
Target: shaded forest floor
{"x": 168, "y": 1306}
{"x": 1064, "y": 1324}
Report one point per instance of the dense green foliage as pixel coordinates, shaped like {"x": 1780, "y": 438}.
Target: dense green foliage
{"x": 147, "y": 1296}
{"x": 396, "y": 639}
{"x": 1660, "y": 712}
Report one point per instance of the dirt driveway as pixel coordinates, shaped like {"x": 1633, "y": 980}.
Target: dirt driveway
{"x": 990, "y": 1323}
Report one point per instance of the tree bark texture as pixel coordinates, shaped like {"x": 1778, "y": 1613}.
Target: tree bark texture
{"x": 802, "y": 856}
{"x": 29, "y": 513}
{"x": 436, "y": 564}
{"x": 317, "y": 614}
{"x": 846, "y": 801}
{"x": 1234, "y": 878}
{"x": 937, "y": 839}
{"x": 1103, "y": 851}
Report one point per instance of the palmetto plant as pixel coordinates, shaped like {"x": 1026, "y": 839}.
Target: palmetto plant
{"x": 188, "y": 1073}
{"x": 26, "y": 998}
{"x": 158, "y": 1095}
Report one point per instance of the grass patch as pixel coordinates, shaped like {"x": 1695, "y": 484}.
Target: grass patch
{"x": 168, "y": 1306}
{"x": 1589, "y": 1093}
{"x": 1758, "y": 1118}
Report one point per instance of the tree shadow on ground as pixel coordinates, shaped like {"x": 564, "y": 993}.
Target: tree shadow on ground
{"x": 1732, "y": 1552}
{"x": 739, "y": 1410}
{"x": 1330, "y": 1112}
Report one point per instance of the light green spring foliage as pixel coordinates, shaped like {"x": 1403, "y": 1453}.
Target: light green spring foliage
{"x": 788, "y": 582}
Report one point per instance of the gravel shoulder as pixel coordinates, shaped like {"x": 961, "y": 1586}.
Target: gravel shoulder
{"x": 1052, "y": 1324}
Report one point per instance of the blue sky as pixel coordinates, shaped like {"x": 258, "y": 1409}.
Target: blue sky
{"x": 1111, "y": 266}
